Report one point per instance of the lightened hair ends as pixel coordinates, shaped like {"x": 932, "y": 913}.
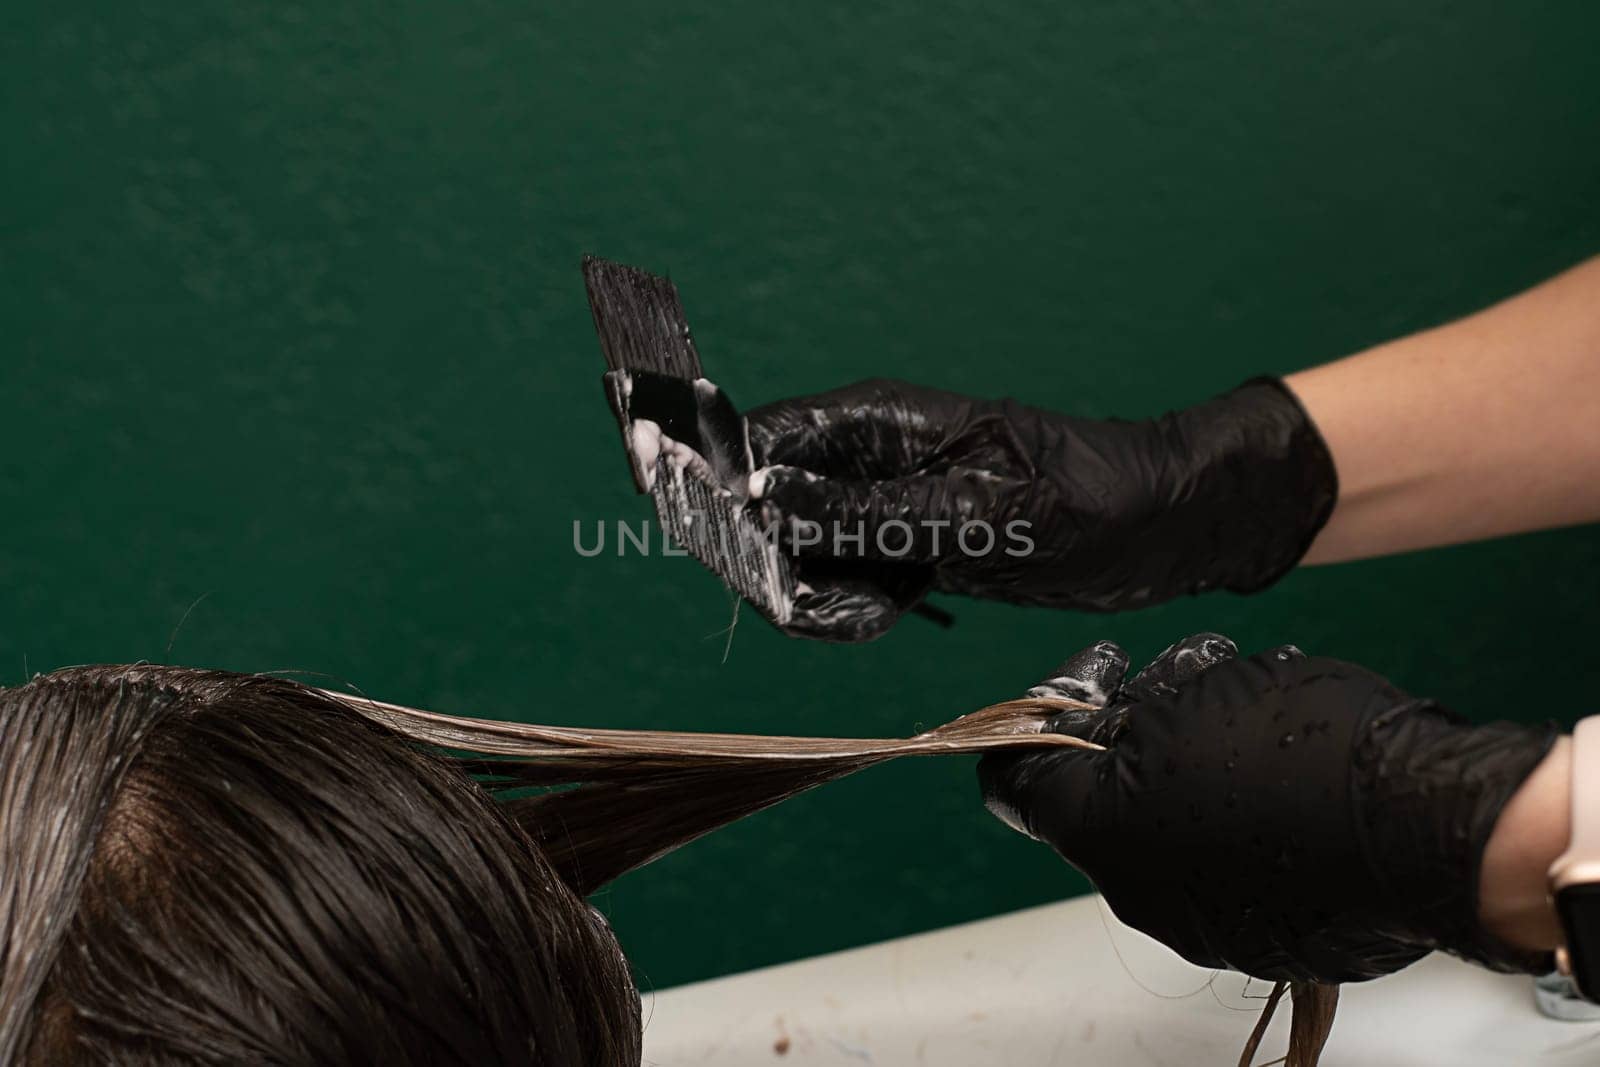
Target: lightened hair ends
{"x": 204, "y": 867}
{"x": 642, "y": 793}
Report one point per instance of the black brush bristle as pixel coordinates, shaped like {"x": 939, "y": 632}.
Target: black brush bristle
{"x": 640, "y": 320}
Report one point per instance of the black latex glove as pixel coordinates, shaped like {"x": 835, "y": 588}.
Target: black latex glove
{"x": 1293, "y": 818}
{"x": 1113, "y": 514}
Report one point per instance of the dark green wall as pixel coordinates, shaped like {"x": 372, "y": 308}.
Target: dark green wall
{"x": 293, "y": 319}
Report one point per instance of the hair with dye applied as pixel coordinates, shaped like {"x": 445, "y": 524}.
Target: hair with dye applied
{"x": 204, "y": 868}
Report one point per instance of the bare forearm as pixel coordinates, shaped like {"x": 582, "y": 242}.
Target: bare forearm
{"x": 1484, "y": 427}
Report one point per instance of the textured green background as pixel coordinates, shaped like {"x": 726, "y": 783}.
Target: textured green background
{"x": 292, "y": 317}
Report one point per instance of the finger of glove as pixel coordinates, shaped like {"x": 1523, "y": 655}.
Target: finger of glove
{"x": 870, "y": 429}
{"x": 922, "y": 519}
{"x": 1091, "y": 675}
{"x": 1178, "y": 664}
{"x": 846, "y": 611}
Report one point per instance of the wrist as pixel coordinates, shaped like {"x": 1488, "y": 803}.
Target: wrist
{"x": 1437, "y": 790}
{"x": 1514, "y": 903}
{"x": 1261, "y": 471}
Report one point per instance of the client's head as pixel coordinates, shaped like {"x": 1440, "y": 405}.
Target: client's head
{"x": 200, "y": 867}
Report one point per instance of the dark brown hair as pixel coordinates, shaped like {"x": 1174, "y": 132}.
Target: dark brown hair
{"x": 643, "y": 793}
{"x": 202, "y": 867}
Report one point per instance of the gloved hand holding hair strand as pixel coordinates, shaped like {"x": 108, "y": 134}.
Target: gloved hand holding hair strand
{"x": 1291, "y": 817}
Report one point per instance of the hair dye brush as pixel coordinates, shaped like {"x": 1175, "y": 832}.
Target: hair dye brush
{"x": 687, "y": 445}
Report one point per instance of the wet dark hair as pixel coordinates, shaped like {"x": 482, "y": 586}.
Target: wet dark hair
{"x": 205, "y": 867}
{"x": 201, "y": 867}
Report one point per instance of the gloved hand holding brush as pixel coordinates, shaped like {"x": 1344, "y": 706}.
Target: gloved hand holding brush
{"x": 907, "y": 489}
{"x": 1431, "y": 436}
{"x": 1291, "y": 817}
